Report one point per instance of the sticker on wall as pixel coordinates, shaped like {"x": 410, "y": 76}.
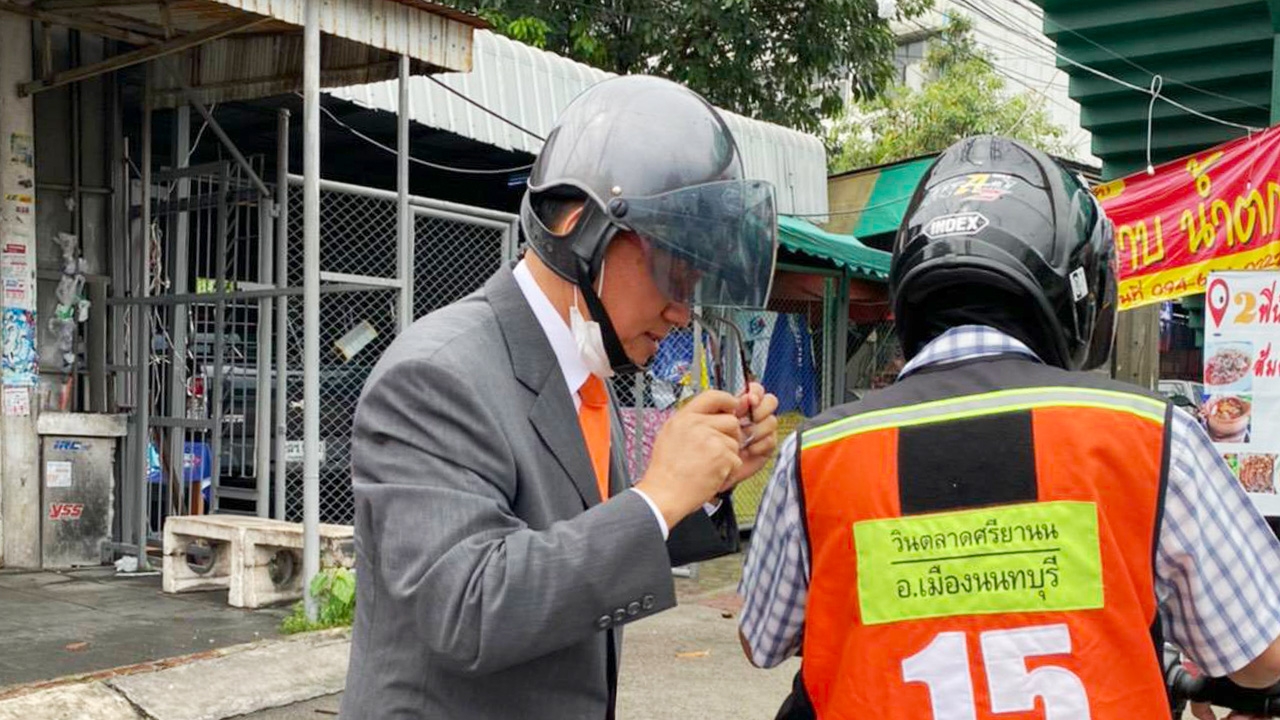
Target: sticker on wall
{"x": 17, "y": 402}
{"x": 57, "y": 474}
{"x": 18, "y": 363}
{"x": 20, "y": 150}
{"x": 66, "y": 511}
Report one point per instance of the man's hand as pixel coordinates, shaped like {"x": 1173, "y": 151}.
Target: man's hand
{"x": 755, "y": 413}
{"x": 695, "y": 454}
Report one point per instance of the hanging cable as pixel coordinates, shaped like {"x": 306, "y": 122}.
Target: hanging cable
{"x": 203, "y": 126}
{"x": 1175, "y": 103}
{"x": 426, "y": 163}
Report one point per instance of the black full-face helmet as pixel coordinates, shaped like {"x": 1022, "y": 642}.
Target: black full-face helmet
{"x": 996, "y": 220}
{"x": 647, "y": 155}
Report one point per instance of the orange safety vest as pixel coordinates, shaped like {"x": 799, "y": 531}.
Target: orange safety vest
{"x": 982, "y": 540}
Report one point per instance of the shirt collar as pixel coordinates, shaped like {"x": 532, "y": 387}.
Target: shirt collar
{"x": 555, "y": 328}
{"x": 966, "y": 342}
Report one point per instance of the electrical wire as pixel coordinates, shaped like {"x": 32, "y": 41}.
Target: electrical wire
{"x": 882, "y": 203}
{"x": 1118, "y": 81}
{"x": 504, "y": 119}
{"x": 203, "y": 126}
{"x": 426, "y": 163}
{"x": 1136, "y": 66}
{"x": 1148, "y": 91}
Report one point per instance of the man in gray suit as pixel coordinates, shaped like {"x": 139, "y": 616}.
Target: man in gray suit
{"x": 493, "y": 580}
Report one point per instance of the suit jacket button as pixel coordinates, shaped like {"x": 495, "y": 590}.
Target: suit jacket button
{"x": 646, "y": 602}
{"x": 619, "y": 615}
{"x": 604, "y": 622}
{"x": 633, "y": 609}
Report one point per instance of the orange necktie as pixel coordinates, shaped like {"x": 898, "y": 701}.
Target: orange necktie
{"x": 593, "y": 417}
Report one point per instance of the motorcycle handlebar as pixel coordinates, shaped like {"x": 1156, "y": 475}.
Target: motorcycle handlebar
{"x": 1264, "y": 702}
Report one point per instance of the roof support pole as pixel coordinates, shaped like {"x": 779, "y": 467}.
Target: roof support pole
{"x": 404, "y": 218}
{"x": 311, "y": 304}
{"x": 282, "y": 312}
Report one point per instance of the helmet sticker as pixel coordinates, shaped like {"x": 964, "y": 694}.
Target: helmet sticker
{"x": 965, "y": 223}
{"x": 976, "y": 186}
{"x": 1079, "y": 285}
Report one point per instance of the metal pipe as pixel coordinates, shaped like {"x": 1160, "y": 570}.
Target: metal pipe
{"x": 282, "y": 309}
{"x": 404, "y": 226}
{"x": 219, "y": 335}
{"x": 217, "y": 129}
{"x": 414, "y": 200}
{"x": 142, "y": 335}
{"x": 180, "y": 243}
{"x": 311, "y": 321}
{"x": 262, "y": 395}
{"x": 241, "y": 295}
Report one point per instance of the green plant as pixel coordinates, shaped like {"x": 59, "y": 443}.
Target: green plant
{"x": 334, "y": 590}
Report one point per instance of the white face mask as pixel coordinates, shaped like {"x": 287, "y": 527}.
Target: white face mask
{"x": 588, "y": 338}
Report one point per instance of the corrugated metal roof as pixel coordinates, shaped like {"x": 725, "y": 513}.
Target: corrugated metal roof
{"x": 362, "y": 41}
{"x": 531, "y": 86}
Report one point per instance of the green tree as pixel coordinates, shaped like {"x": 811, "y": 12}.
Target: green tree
{"x": 963, "y": 95}
{"x": 776, "y": 60}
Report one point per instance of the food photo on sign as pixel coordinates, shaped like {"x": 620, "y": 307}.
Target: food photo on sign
{"x": 1241, "y": 410}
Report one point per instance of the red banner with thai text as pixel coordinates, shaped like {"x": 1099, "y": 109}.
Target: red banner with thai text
{"x": 1215, "y": 210}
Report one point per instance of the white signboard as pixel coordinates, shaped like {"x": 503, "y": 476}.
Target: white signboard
{"x": 1241, "y": 408}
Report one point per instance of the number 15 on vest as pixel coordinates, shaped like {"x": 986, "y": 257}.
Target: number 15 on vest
{"x": 943, "y": 665}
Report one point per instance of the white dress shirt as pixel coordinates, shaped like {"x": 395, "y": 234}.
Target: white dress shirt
{"x": 563, "y": 345}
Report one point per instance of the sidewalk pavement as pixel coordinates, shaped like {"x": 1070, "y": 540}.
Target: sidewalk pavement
{"x": 91, "y": 645}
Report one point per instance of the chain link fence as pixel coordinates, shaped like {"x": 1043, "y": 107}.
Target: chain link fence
{"x": 454, "y": 254}
{"x": 783, "y": 349}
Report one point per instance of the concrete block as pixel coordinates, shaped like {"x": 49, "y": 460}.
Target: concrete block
{"x": 84, "y": 701}
{"x": 258, "y": 560}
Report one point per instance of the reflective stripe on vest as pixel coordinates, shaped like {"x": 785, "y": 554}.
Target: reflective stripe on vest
{"x": 984, "y": 404}
{"x": 911, "y": 616}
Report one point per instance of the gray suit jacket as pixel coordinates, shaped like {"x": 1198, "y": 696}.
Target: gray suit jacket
{"x": 490, "y": 576}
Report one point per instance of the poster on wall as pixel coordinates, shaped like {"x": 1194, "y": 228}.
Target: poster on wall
{"x": 18, "y": 363}
{"x": 1241, "y": 410}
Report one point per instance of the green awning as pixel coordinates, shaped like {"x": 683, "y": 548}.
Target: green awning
{"x": 843, "y": 250}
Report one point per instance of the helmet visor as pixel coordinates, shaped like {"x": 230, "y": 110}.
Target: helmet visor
{"x": 712, "y": 245}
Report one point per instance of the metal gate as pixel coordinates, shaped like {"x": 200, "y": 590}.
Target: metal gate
{"x": 198, "y": 333}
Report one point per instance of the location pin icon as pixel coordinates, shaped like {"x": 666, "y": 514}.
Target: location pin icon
{"x": 1217, "y": 299}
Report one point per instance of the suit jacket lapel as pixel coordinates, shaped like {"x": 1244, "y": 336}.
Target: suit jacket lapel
{"x": 534, "y": 363}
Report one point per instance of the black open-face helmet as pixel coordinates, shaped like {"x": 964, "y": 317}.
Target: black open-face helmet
{"x": 647, "y": 155}
{"x": 999, "y": 233}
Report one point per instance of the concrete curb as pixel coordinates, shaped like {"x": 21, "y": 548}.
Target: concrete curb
{"x": 214, "y": 685}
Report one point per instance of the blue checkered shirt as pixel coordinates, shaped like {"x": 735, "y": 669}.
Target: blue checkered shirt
{"x": 1217, "y": 563}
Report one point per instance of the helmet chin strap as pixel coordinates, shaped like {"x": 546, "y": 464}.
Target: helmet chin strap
{"x": 618, "y": 359}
